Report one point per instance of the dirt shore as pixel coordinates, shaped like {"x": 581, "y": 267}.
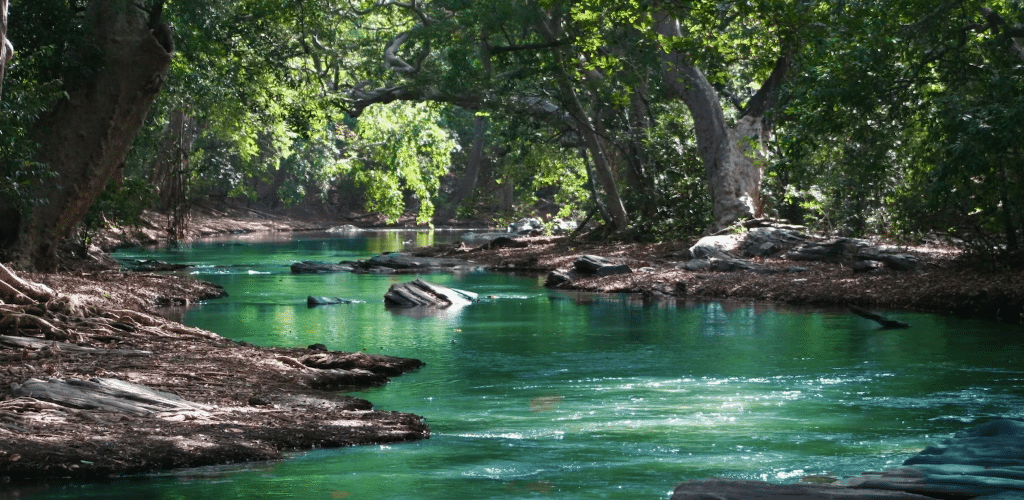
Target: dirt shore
{"x": 244, "y": 402}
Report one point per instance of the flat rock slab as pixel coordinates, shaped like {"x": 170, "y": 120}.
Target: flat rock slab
{"x": 736, "y": 489}
{"x": 103, "y": 393}
{"x": 419, "y": 293}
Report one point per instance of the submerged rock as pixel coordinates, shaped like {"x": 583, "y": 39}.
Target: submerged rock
{"x": 313, "y": 301}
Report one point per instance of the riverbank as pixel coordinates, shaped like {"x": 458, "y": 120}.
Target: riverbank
{"x": 94, "y": 385}
{"x": 942, "y": 281}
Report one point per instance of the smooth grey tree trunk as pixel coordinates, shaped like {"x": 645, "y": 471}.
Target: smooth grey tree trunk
{"x": 729, "y": 153}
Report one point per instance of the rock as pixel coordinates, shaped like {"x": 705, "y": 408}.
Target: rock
{"x": 715, "y": 246}
{"x": 997, "y": 443}
{"x": 768, "y": 241}
{"x": 313, "y": 301}
{"x": 987, "y": 460}
{"x": 900, "y": 262}
{"x": 314, "y": 267}
{"x": 347, "y": 228}
{"x": 401, "y": 260}
{"x": 727, "y": 264}
{"x": 866, "y": 266}
{"x": 149, "y": 266}
{"x": 562, "y": 226}
{"x": 841, "y": 250}
{"x": 738, "y": 489}
{"x": 317, "y": 347}
{"x": 697, "y": 265}
{"x": 421, "y": 293}
{"x": 504, "y": 242}
{"x": 476, "y": 239}
{"x": 526, "y": 226}
{"x": 556, "y": 279}
{"x": 599, "y": 266}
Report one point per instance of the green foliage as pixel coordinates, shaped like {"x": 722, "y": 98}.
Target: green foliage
{"x": 402, "y": 148}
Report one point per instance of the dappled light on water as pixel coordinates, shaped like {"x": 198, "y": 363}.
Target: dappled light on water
{"x": 531, "y": 393}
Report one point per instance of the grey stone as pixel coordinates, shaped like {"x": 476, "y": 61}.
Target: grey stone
{"x": 401, "y": 260}
{"x": 526, "y": 226}
{"x": 314, "y": 267}
{"x": 715, "y": 246}
{"x": 768, "y": 241}
{"x": 422, "y": 293}
{"x": 556, "y": 279}
{"x": 698, "y": 265}
{"x": 313, "y": 301}
{"x": 600, "y": 266}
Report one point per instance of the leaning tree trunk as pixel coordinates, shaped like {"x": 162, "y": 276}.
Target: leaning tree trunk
{"x": 728, "y": 153}
{"x": 86, "y": 136}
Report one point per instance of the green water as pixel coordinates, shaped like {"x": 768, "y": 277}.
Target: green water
{"x": 539, "y": 394}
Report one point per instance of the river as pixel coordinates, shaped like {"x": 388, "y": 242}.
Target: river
{"x": 538, "y": 394}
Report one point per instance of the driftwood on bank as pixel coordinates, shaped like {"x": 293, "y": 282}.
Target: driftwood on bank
{"x": 885, "y": 322}
{"x": 59, "y": 347}
{"x": 108, "y": 394}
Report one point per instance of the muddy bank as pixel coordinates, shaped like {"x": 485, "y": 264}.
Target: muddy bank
{"x": 245, "y": 402}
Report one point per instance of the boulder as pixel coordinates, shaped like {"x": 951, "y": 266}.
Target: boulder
{"x": 313, "y": 301}
{"x": 768, "y": 241}
{"x": 994, "y": 444}
{"x": 347, "y": 228}
{"x": 526, "y": 226}
{"x": 419, "y": 293}
{"x": 314, "y": 267}
{"x": 563, "y": 226}
{"x": 841, "y": 250}
{"x": 599, "y": 266}
{"x": 556, "y": 279}
{"x": 715, "y": 246}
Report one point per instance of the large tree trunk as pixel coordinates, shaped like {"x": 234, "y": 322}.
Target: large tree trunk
{"x": 728, "y": 153}
{"x": 86, "y": 137}
{"x": 467, "y": 183}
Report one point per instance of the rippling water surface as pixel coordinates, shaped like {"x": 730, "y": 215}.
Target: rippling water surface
{"x": 538, "y": 394}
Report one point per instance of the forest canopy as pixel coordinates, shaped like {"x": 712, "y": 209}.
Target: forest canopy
{"x": 659, "y": 119}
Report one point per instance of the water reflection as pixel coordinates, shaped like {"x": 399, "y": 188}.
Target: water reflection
{"x": 566, "y": 395}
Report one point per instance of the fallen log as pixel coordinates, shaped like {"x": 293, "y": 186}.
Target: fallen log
{"x": 885, "y": 322}
{"x": 32, "y": 343}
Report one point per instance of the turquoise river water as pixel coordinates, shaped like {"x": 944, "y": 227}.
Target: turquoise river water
{"x": 532, "y": 393}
